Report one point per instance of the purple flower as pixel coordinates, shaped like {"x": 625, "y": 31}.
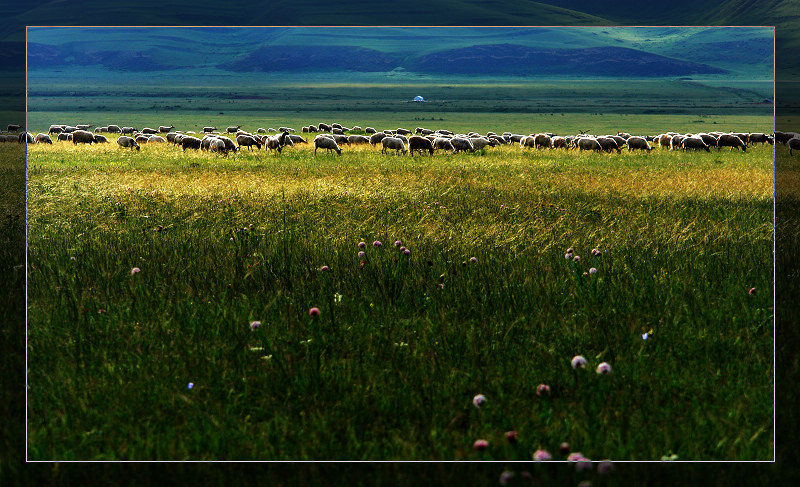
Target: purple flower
{"x": 568, "y": 255}
{"x": 570, "y": 250}
{"x": 752, "y": 291}
{"x": 541, "y": 455}
{"x": 313, "y": 312}
{"x": 254, "y": 325}
{"x": 479, "y": 400}
{"x": 585, "y": 274}
{"x": 595, "y": 252}
{"x": 406, "y": 252}
{"x": 361, "y": 255}
{"x": 577, "y": 258}
{"x": 474, "y": 260}
{"x": 362, "y": 245}
{"x": 592, "y": 271}
{"x": 377, "y": 243}
{"x": 604, "y": 368}
{"x": 480, "y": 445}
{"x": 324, "y": 268}
{"x": 135, "y": 270}
{"x": 543, "y": 390}
{"x": 191, "y": 384}
{"x": 578, "y": 361}
{"x": 574, "y": 457}
{"x": 397, "y": 243}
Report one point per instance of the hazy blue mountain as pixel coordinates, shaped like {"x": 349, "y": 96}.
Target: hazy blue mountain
{"x": 595, "y": 51}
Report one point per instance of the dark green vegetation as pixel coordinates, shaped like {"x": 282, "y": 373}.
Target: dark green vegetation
{"x": 389, "y": 368}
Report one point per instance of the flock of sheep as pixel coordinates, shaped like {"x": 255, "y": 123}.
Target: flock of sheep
{"x": 332, "y": 137}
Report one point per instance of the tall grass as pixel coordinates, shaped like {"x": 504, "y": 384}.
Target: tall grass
{"x": 403, "y": 342}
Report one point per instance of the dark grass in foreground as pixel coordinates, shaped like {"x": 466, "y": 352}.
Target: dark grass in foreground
{"x": 403, "y": 343}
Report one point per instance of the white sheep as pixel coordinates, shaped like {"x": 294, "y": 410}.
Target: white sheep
{"x": 636, "y": 142}
{"x": 321, "y": 142}
{"x": 394, "y": 143}
{"x": 462, "y": 144}
{"x": 694, "y": 142}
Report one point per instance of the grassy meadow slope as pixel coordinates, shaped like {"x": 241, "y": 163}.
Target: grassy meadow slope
{"x": 403, "y": 342}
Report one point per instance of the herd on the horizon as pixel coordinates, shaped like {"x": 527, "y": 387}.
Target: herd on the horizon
{"x": 332, "y": 137}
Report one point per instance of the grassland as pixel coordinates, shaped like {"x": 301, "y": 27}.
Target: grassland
{"x": 403, "y": 343}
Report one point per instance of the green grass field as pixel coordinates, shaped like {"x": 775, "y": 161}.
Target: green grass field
{"x": 403, "y": 343}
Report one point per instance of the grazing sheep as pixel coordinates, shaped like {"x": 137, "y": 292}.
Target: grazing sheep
{"x": 232, "y": 129}
{"x": 588, "y": 143}
{"x": 528, "y": 142}
{"x": 635, "y": 142}
{"x": 271, "y": 130}
{"x": 559, "y": 142}
{"x": 82, "y": 136}
{"x": 126, "y": 141}
{"x": 608, "y": 144}
{"x": 322, "y": 142}
{"x": 694, "y": 143}
{"x": 177, "y": 139}
{"x": 355, "y": 128}
{"x": 26, "y": 137}
{"x": 394, "y": 143}
{"x": 515, "y": 137}
{"x": 114, "y": 129}
{"x": 13, "y": 127}
{"x": 443, "y": 143}
{"x": 794, "y": 144}
{"x": 403, "y": 131}
{"x": 189, "y": 142}
{"x": 157, "y": 139}
{"x": 421, "y": 144}
{"x": 205, "y": 142}
{"x": 142, "y": 138}
{"x": 745, "y": 137}
{"x": 709, "y": 139}
{"x": 336, "y": 126}
{"x": 218, "y": 145}
{"x": 312, "y": 129}
{"x": 784, "y": 137}
{"x": 498, "y": 140}
{"x": 324, "y": 127}
{"x": 208, "y": 130}
{"x": 664, "y": 140}
{"x": 69, "y": 129}
{"x": 729, "y": 140}
{"x": 286, "y": 129}
{"x": 337, "y": 131}
{"x": 64, "y": 136}
{"x": 43, "y": 139}
{"x": 164, "y": 129}
{"x": 277, "y": 142}
{"x": 621, "y": 141}
{"x": 248, "y": 141}
{"x": 101, "y": 130}
{"x": 675, "y": 141}
{"x": 297, "y": 139}
{"x": 444, "y": 132}
{"x": 4, "y": 139}
{"x": 84, "y": 126}
{"x": 262, "y": 130}
{"x": 624, "y": 135}
{"x": 479, "y": 143}
{"x": 101, "y": 139}
{"x": 760, "y": 138}
{"x": 148, "y": 130}
{"x": 56, "y": 129}
{"x": 462, "y": 144}
{"x": 304, "y": 129}
{"x": 127, "y": 130}
{"x": 230, "y": 146}
{"x": 370, "y": 130}
{"x": 376, "y": 137}
{"x": 357, "y": 139}
{"x": 542, "y": 140}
